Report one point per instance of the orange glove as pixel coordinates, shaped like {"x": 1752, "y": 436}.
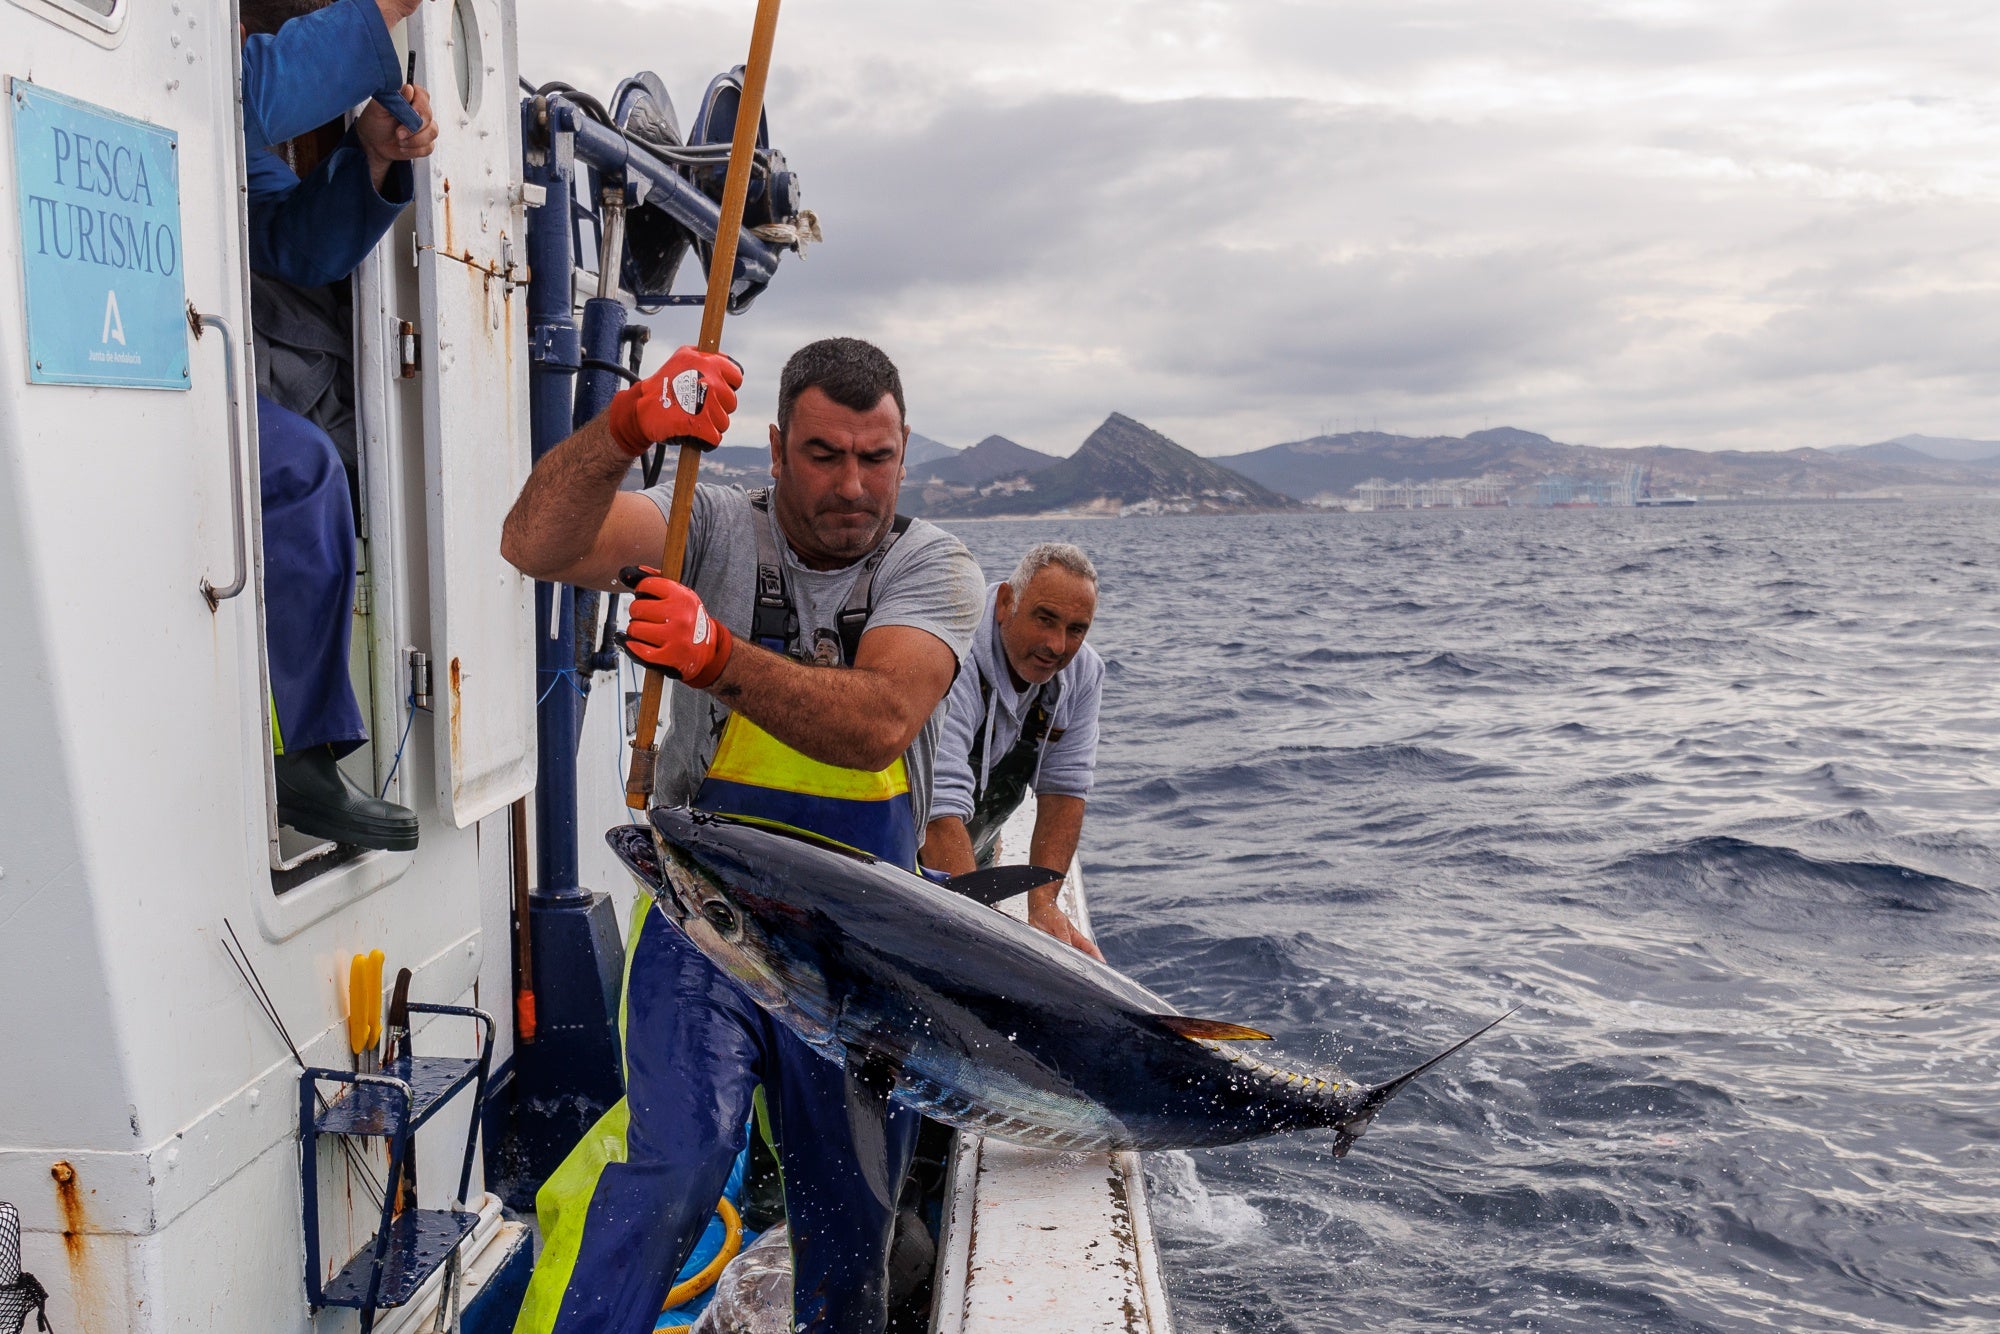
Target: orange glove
{"x": 670, "y": 631}
{"x": 689, "y": 399}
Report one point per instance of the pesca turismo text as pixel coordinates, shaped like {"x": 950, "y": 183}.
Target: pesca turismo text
{"x": 93, "y": 232}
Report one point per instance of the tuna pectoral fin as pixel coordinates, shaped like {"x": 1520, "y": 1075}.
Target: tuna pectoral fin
{"x": 995, "y": 883}
{"x": 1211, "y": 1030}
{"x": 1362, "y": 1110}
{"x": 634, "y": 846}
{"x": 870, "y": 1080}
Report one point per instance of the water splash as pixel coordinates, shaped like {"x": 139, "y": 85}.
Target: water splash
{"x": 1181, "y": 1203}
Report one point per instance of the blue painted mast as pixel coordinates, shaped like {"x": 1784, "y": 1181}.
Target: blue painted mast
{"x": 573, "y": 1072}
{"x": 557, "y": 137}
{"x": 555, "y": 354}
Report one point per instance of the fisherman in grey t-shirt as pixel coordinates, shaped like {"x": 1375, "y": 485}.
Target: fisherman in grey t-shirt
{"x": 813, "y": 636}
{"x": 1023, "y": 718}
{"x": 921, "y": 583}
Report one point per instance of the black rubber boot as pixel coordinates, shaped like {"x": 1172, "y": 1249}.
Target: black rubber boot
{"x": 315, "y": 797}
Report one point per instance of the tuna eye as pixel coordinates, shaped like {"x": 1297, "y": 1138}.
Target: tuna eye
{"x": 719, "y": 915}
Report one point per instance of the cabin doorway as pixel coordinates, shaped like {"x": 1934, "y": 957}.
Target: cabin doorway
{"x": 416, "y": 366}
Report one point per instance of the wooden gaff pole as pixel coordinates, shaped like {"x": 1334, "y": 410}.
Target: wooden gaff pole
{"x": 721, "y": 269}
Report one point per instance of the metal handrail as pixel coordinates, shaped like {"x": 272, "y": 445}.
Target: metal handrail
{"x": 216, "y": 596}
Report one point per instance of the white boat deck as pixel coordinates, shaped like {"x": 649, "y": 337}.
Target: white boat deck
{"x": 1044, "y": 1241}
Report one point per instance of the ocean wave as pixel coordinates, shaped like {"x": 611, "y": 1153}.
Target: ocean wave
{"x": 1451, "y": 663}
{"x": 1607, "y": 784}
{"x": 1857, "y": 823}
{"x": 1328, "y": 656}
{"x": 1738, "y": 871}
{"x": 1589, "y": 1091}
{"x": 1298, "y": 769}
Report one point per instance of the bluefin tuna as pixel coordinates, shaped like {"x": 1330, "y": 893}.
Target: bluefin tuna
{"x": 932, "y": 998}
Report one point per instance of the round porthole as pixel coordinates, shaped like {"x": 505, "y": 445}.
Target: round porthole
{"x": 467, "y": 66}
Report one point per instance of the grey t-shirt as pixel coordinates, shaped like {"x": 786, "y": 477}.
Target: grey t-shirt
{"x": 928, "y": 580}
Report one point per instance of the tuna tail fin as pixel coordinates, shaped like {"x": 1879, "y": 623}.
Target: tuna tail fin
{"x": 1358, "y": 1112}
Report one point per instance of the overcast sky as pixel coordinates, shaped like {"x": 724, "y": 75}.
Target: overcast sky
{"x": 1622, "y": 222}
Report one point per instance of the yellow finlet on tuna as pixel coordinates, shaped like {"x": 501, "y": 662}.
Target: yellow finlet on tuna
{"x": 1213, "y": 1030}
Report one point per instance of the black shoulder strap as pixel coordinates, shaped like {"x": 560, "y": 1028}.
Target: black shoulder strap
{"x": 853, "y": 617}
{"x": 1044, "y": 715}
{"x": 774, "y": 622}
{"x": 1034, "y": 731}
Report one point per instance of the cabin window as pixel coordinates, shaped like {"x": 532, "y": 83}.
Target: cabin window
{"x": 106, "y": 14}
{"x": 467, "y": 61}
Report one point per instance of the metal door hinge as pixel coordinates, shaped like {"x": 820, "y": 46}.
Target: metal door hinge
{"x": 556, "y": 343}
{"x": 420, "y": 678}
{"x": 408, "y": 346}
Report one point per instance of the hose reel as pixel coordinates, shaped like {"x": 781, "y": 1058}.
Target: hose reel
{"x": 655, "y": 242}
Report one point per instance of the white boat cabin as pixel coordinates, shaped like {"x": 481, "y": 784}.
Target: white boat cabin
{"x": 150, "y": 1111}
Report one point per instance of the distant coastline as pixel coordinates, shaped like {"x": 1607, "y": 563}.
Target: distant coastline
{"x": 1126, "y": 468}
{"x": 1748, "y": 502}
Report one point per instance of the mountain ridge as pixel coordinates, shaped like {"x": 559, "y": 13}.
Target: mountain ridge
{"x": 1124, "y": 466}
{"x": 1325, "y": 469}
{"x": 1947, "y": 449}
{"x": 923, "y": 449}
{"x": 994, "y": 457}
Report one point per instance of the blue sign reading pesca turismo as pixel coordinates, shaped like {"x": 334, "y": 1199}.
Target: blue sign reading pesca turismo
{"x": 100, "y": 203}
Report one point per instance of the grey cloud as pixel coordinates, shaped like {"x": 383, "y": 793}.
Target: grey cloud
{"x": 1927, "y": 336}
{"x": 1620, "y": 223}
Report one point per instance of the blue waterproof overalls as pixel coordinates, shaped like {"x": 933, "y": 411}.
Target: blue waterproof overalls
{"x": 623, "y": 1212}
{"x": 312, "y": 232}
{"x": 309, "y": 583}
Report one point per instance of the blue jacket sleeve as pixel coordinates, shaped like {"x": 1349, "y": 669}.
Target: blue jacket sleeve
{"x": 316, "y": 231}
{"x": 314, "y": 69}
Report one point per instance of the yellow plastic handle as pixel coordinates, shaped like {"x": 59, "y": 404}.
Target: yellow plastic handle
{"x": 357, "y": 1004}
{"x": 374, "y": 999}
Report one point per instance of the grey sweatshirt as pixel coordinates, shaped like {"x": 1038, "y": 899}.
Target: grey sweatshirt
{"x": 1069, "y": 756}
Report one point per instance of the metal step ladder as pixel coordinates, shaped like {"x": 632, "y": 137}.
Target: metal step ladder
{"x": 391, "y": 1105}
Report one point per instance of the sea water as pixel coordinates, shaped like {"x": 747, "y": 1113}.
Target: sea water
{"x": 1713, "y": 795}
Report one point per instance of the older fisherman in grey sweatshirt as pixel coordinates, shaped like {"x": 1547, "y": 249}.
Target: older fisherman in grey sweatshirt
{"x": 1024, "y": 717}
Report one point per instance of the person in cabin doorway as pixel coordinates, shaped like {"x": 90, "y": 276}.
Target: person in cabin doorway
{"x": 306, "y": 63}
{"x": 814, "y": 634}
{"x": 1024, "y": 718}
